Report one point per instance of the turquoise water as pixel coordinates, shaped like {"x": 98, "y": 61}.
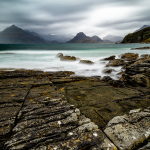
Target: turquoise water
{"x": 42, "y": 57}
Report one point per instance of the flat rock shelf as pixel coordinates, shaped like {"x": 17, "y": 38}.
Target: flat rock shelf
{"x": 41, "y": 111}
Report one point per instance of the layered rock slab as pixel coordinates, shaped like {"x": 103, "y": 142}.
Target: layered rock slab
{"x": 138, "y": 73}
{"x": 12, "y": 96}
{"x": 99, "y": 101}
{"x": 45, "y": 120}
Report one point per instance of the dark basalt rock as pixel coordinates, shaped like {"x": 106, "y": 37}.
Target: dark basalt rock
{"x": 110, "y": 58}
{"x": 138, "y": 73}
{"x": 68, "y": 58}
{"x": 86, "y": 62}
{"x": 106, "y": 78}
{"x": 145, "y": 56}
{"x": 41, "y": 110}
{"x": 108, "y": 70}
{"x": 140, "y": 48}
{"x": 115, "y": 62}
{"x": 35, "y": 115}
{"x": 129, "y": 56}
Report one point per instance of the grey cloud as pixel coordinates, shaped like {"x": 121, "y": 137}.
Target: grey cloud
{"x": 57, "y": 16}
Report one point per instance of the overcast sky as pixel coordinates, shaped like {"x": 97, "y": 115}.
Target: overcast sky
{"x": 93, "y": 17}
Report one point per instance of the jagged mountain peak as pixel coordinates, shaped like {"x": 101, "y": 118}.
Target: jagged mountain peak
{"x": 13, "y": 26}
{"x": 82, "y": 38}
{"x": 81, "y": 34}
{"x": 16, "y": 35}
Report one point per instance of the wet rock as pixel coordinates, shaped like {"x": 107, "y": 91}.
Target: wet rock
{"x": 35, "y": 115}
{"x": 106, "y": 78}
{"x": 40, "y": 115}
{"x": 120, "y": 73}
{"x": 138, "y": 73}
{"x": 140, "y": 48}
{"x": 128, "y": 132}
{"x": 145, "y": 56}
{"x": 68, "y": 58}
{"x": 129, "y": 56}
{"x": 115, "y": 62}
{"x": 99, "y": 101}
{"x": 110, "y": 58}
{"x": 12, "y": 95}
{"x": 86, "y": 62}
{"x": 59, "y": 55}
{"x": 108, "y": 70}
{"x": 142, "y": 60}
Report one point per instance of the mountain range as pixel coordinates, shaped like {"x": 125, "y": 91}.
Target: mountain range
{"x": 62, "y": 38}
{"x": 82, "y": 38}
{"x": 15, "y": 35}
{"x": 113, "y": 38}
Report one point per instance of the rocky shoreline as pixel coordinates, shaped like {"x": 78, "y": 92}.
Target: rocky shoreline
{"x": 140, "y": 48}
{"x": 55, "y": 110}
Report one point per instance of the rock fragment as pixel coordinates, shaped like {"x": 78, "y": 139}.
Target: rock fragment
{"x": 68, "y": 58}
{"x": 86, "y": 62}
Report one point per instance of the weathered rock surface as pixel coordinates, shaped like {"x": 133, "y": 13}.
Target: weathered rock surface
{"x": 129, "y": 56}
{"x": 86, "y": 62}
{"x": 108, "y": 70}
{"x": 99, "y": 101}
{"x": 129, "y": 131}
{"x": 138, "y": 73}
{"x": 68, "y": 58}
{"x": 115, "y": 62}
{"x": 35, "y": 115}
{"x": 145, "y": 56}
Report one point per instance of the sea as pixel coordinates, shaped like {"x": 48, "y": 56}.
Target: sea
{"x": 43, "y": 57}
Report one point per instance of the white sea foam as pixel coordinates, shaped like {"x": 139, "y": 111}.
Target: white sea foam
{"x": 45, "y": 60}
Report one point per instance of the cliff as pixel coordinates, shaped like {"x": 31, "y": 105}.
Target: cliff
{"x": 138, "y": 37}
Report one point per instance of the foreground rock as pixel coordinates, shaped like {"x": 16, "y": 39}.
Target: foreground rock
{"x": 35, "y": 115}
{"x": 99, "y": 100}
{"x": 68, "y": 58}
{"x": 41, "y": 111}
{"x": 86, "y": 62}
{"x": 129, "y": 131}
